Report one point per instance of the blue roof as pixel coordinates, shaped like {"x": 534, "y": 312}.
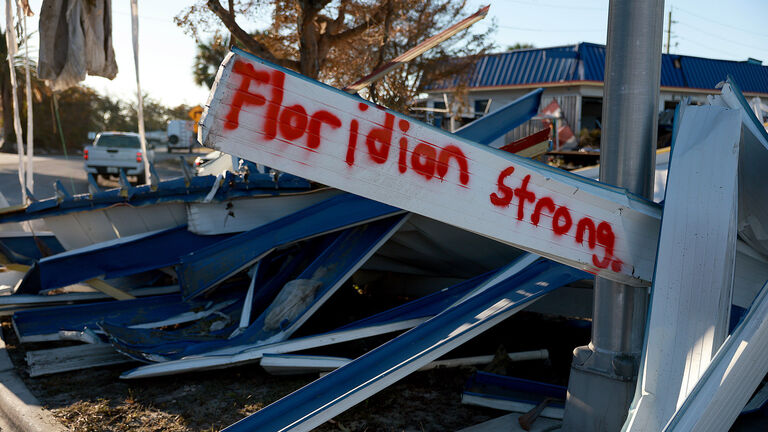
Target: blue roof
{"x": 586, "y": 62}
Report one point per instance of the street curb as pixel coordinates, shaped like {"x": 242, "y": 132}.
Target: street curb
{"x": 19, "y": 408}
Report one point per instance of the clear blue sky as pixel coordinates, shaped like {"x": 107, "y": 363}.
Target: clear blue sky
{"x": 733, "y": 30}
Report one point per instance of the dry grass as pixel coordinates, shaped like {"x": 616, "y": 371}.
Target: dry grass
{"x": 97, "y": 400}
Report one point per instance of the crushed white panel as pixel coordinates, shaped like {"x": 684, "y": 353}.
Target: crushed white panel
{"x": 732, "y": 377}
{"x": 128, "y": 220}
{"x": 287, "y": 364}
{"x": 244, "y": 354}
{"x": 691, "y": 293}
{"x": 510, "y": 423}
{"x": 78, "y": 357}
{"x": 85, "y": 228}
{"x": 293, "y": 364}
{"x": 342, "y": 141}
{"x": 8, "y": 226}
{"x": 223, "y": 162}
{"x": 244, "y": 214}
{"x": 185, "y": 317}
{"x": 511, "y": 405}
{"x": 753, "y": 158}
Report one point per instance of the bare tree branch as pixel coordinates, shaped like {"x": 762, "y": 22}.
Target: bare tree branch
{"x": 351, "y": 33}
{"x": 244, "y": 38}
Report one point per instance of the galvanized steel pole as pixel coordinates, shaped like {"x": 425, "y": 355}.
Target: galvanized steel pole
{"x": 603, "y": 374}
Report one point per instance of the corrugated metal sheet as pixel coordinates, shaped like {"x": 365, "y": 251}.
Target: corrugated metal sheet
{"x": 592, "y": 62}
{"x": 706, "y": 73}
{"x": 586, "y": 62}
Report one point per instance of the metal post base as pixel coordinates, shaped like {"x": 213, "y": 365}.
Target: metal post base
{"x": 600, "y": 389}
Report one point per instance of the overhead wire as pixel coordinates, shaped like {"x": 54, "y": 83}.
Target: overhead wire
{"x": 720, "y": 38}
{"x": 552, "y": 30}
{"x": 714, "y": 21}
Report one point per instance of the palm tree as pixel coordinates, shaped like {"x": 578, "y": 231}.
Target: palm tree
{"x": 209, "y": 56}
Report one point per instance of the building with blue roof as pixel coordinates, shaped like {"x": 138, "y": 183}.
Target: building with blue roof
{"x": 573, "y": 75}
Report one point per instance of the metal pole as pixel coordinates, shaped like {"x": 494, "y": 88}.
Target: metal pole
{"x": 140, "y": 111}
{"x": 603, "y": 374}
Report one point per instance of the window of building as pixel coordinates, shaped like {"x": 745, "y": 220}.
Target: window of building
{"x": 437, "y": 117}
{"x": 480, "y": 106}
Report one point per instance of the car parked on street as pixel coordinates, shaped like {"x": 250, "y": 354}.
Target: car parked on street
{"x": 112, "y": 152}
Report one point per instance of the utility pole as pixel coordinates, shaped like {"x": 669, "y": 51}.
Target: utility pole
{"x": 604, "y": 373}
{"x": 669, "y": 29}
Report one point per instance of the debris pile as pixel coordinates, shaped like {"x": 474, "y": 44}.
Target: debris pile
{"x": 211, "y": 271}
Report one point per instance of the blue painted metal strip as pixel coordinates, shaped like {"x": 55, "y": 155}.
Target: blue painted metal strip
{"x": 141, "y": 344}
{"x": 502, "y": 387}
{"x": 275, "y": 270}
{"x": 23, "y": 249}
{"x": 176, "y": 190}
{"x": 204, "y": 268}
{"x": 488, "y": 128}
{"x": 114, "y": 259}
{"x": 399, "y": 318}
{"x": 332, "y": 268}
{"x": 45, "y": 321}
{"x": 332, "y": 394}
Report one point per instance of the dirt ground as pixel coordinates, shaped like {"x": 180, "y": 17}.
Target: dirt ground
{"x": 97, "y": 400}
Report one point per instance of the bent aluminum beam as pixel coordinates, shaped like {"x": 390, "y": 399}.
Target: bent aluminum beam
{"x": 262, "y": 112}
{"x": 44, "y": 324}
{"x": 399, "y": 318}
{"x": 120, "y": 257}
{"x": 492, "y": 126}
{"x": 203, "y": 269}
{"x": 331, "y": 395}
{"x": 331, "y": 269}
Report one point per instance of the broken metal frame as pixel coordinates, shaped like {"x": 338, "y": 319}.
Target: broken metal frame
{"x": 505, "y": 294}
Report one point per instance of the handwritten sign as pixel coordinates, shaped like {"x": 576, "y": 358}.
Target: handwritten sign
{"x": 264, "y": 113}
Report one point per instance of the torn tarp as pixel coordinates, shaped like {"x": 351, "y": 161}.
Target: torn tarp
{"x": 75, "y": 40}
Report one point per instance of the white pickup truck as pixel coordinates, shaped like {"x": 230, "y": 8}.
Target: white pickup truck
{"x": 115, "y": 151}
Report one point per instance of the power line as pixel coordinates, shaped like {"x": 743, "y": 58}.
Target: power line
{"x": 706, "y": 33}
{"x": 552, "y": 30}
{"x": 721, "y": 24}
{"x": 706, "y": 46}
{"x": 537, "y": 4}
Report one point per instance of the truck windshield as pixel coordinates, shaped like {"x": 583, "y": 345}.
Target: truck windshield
{"x": 118, "y": 141}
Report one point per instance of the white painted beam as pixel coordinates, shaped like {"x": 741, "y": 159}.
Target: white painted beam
{"x": 276, "y": 117}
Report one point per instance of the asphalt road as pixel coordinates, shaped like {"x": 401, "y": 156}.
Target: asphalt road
{"x": 70, "y": 171}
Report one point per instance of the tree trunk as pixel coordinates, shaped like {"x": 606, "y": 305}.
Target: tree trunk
{"x": 7, "y": 105}
{"x": 309, "y": 59}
